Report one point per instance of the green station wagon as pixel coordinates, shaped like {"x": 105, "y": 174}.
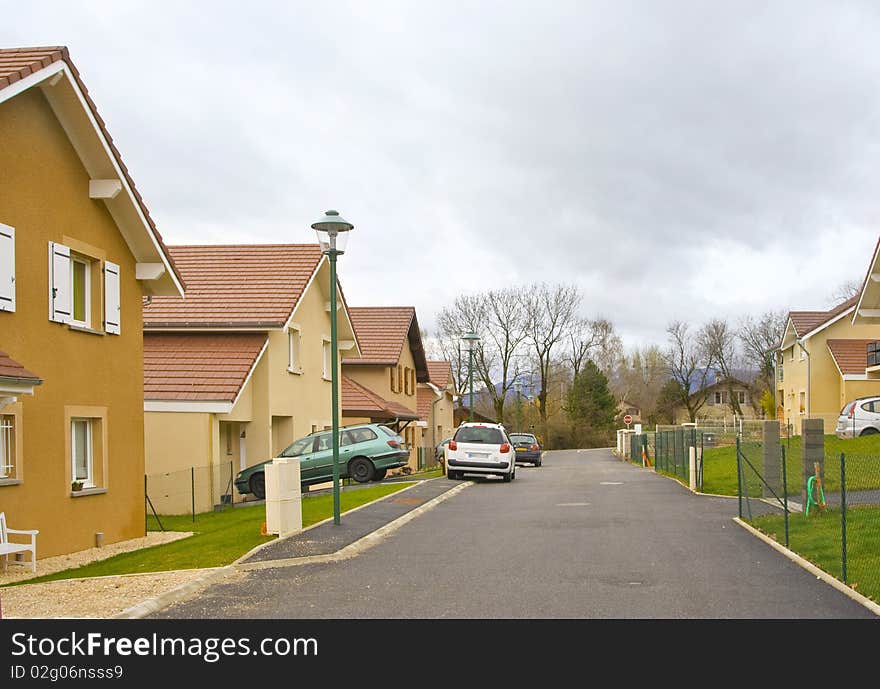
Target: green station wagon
{"x": 366, "y": 453}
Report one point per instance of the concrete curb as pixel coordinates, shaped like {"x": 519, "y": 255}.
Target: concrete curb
{"x": 213, "y": 576}
{"x": 811, "y": 568}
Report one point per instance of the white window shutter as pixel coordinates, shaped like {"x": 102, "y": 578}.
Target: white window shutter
{"x": 59, "y": 283}
{"x": 112, "y": 304}
{"x": 7, "y": 268}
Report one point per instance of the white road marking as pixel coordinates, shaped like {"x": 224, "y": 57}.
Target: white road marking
{"x": 572, "y": 504}
{"x": 611, "y": 483}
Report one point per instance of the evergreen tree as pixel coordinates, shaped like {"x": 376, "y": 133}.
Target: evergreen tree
{"x": 591, "y": 407}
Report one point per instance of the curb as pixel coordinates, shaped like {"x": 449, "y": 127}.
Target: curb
{"x": 812, "y": 569}
{"x": 184, "y": 591}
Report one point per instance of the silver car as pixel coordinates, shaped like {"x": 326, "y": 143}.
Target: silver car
{"x": 859, "y": 417}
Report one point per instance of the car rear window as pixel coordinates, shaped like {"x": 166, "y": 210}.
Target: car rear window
{"x": 479, "y": 434}
{"x": 357, "y": 435}
{"x": 387, "y": 430}
{"x": 523, "y": 438}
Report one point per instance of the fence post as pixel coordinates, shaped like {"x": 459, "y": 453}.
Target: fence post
{"x": 192, "y": 480}
{"x": 843, "y": 514}
{"x": 739, "y": 491}
{"x": 145, "y": 505}
{"x": 785, "y": 494}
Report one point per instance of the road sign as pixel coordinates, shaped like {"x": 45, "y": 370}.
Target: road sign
{"x": 627, "y": 419}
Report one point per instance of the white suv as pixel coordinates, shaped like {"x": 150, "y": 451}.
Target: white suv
{"x": 859, "y": 417}
{"x": 481, "y": 448}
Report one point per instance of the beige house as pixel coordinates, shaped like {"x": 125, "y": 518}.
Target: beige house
{"x": 78, "y": 254}
{"x": 391, "y": 365}
{"x": 436, "y": 404}
{"x": 821, "y": 364}
{"x": 237, "y": 370}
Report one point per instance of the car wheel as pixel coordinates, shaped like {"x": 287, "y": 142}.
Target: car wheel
{"x": 538, "y": 463}
{"x": 258, "y": 485}
{"x": 361, "y": 469}
{"x": 508, "y": 477}
{"x": 452, "y": 475}
{"x": 870, "y": 430}
{"x": 380, "y": 474}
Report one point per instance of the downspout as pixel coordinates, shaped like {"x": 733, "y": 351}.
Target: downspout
{"x": 805, "y": 351}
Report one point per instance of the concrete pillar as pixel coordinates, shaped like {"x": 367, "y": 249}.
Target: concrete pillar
{"x": 283, "y": 496}
{"x": 813, "y": 450}
{"x": 772, "y": 457}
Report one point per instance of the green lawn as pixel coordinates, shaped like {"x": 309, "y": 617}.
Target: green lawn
{"x": 220, "y": 537}
{"x": 817, "y": 538}
{"x": 719, "y": 464}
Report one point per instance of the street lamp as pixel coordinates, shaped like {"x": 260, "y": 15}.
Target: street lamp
{"x": 517, "y": 385}
{"x": 470, "y": 341}
{"x": 332, "y": 230}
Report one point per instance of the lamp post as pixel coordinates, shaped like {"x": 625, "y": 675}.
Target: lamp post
{"x": 517, "y": 386}
{"x": 332, "y": 230}
{"x": 470, "y": 341}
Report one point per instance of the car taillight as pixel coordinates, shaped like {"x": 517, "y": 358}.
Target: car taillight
{"x": 852, "y": 411}
{"x": 504, "y": 449}
{"x": 535, "y": 448}
{"x": 394, "y": 444}
{"x": 453, "y": 445}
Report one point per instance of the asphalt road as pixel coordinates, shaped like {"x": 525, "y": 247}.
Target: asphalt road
{"x": 585, "y": 536}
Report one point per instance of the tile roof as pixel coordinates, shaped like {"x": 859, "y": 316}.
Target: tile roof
{"x": 807, "y": 321}
{"x": 851, "y": 356}
{"x": 440, "y": 373}
{"x": 236, "y": 285}
{"x": 425, "y": 398}
{"x": 10, "y": 368}
{"x": 358, "y": 400}
{"x": 18, "y": 63}
{"x": 198, "y": 366}
{"x": 381, "y": 333}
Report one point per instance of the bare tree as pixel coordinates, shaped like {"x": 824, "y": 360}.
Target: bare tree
{"x": 845, "y": 290}
{"x": 760, "y": 338}
{"x": 465, "y": 315}
{"x": 639, "y": 378}
{"x": 591, "y": 339}
{"x": 719, "y": 342}
{"x": 689, "y": 366}
{"x": 550, "y": 310}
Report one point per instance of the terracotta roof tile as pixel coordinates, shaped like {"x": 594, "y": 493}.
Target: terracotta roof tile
{"x": 440, "y": 373}
{"x": 236, "y": 285}
{"x": 807, "y": 321}
{"x": 198, "y": 366}
{"x": 358, "y": 400}
{"x": 381, "y": 333}
{"x": 18, "y": 63}
{"x": 851, "y": 356}
{"x": 10, "y": 368}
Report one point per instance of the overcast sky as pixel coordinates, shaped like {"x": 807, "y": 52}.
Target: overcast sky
{"x": 677, "y": 160}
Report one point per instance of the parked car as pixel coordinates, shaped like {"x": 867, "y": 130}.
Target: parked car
{"x": 481, "y": 448}
{"x": 859, "y": 417}
{"x": 366, "y": 453}
{"x": 440, "y": 450}
{"x": 527, "y": 448}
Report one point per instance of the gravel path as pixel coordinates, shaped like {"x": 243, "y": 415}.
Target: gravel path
{"x": 96, "y": 597}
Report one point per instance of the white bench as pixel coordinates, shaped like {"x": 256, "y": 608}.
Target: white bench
{"x": 7, "y": 548}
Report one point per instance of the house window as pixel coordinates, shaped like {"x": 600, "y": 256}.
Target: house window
{"x": 80, "y": 291}
{"x": 81, "y": 451}
{"x": 294, "y": 345}
{"x": 400, "y": 382}
{"x": 791, "y": 354}
{"x": 803, "y": 402}
{"x": 719, "y": 397}
{"x": 7, "y": 447}
{"x": 328, "y": 364}
{"x": 741, "y": 396}
{"x": 7, "y": 268}
{"x": 392, "y": 371}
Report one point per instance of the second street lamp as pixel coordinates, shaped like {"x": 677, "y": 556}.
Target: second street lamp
{"x": 332, "y": 230}
{"x": 518, "y": 386}
{"x": 470, "y": 341}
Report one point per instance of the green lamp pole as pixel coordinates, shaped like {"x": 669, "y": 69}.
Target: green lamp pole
{"x": 470, "y": 341}
{"x": 332, "y": 232}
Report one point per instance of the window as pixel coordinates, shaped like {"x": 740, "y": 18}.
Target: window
{"x": 7, "y": 446}
{"x": 357, "y": 435}
{"x": 803, "y": 402}
{"x": 741, "y": 396}
{"x": 294, "y": 344}
{"x": 81, "y": 452}
{"x": 399, "y": 378}
{"x": 324, "y": 442}
{"x": 868, "y": 406}
{"x": 791, "y": 354}
{"x": 300, "y": 447}
{"x": 479, "y": 434}
{"x": 7, "y": 268}
{"x": 80, "y": 291}
{"x": 328, "y": 364}
{"x": 392, "y": 371}
{"x": 719, "y": 398}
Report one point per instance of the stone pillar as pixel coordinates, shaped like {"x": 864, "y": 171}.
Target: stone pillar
{"x": 813, "y": 450}
{"x": 772, "y": 456}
